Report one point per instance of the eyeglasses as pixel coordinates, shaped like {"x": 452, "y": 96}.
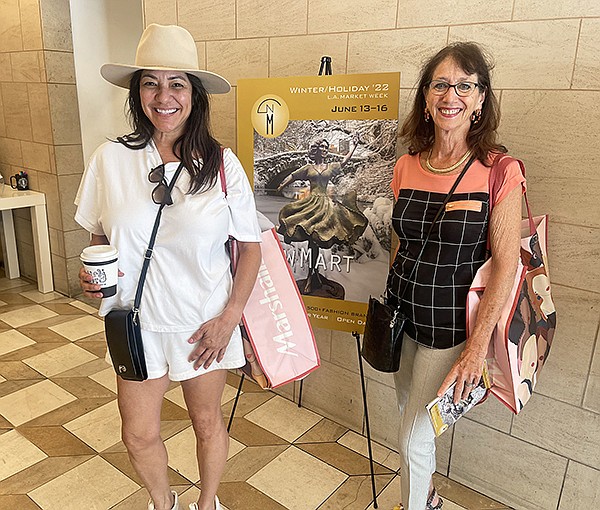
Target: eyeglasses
{"x": 161, "y": 194}
{"x": 462, "y": 88}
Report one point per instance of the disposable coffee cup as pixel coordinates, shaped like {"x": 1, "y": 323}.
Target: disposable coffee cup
{"x": 101, "y": 262}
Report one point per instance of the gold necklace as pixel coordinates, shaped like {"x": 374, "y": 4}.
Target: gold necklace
{"x": 448, "y": 169}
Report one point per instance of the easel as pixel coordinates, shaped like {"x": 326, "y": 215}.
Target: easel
{"x": 325, "y": 69}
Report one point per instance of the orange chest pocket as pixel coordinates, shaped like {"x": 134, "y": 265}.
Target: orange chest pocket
{"x": 464, "y": 205}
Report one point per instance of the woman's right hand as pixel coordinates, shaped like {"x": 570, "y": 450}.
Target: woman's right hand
{"x": 90, "y": 289}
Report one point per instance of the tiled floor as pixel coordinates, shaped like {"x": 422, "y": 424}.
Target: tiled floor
{"x": 59, "y": 430}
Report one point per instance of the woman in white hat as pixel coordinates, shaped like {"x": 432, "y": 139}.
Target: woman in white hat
{"x": 191, "y": 306}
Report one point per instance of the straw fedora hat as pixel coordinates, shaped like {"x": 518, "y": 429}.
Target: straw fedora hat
{"x": 165, "y": 48}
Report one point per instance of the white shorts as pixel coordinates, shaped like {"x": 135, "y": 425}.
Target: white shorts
{"x": 167, "y": 353}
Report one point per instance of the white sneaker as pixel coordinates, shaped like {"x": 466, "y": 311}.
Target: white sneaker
{"x": 194, "y": 506}
{"x": 174, "y": 507}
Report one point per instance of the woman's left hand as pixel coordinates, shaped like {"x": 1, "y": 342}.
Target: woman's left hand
{"x": 211, "y": 339}
{"x": 466, "y": 372}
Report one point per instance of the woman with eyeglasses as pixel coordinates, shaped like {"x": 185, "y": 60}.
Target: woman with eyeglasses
{"x": 453, "y": 122}
{"x": 191, "y": 305}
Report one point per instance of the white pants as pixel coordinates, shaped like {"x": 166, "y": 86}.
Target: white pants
{"x": 422, "y": 371}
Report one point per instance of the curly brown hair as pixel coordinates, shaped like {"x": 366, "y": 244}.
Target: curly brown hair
{"x": 419, "y": 135}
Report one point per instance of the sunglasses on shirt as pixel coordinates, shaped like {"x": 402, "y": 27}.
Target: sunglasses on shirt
{"x": 160, "y": 194}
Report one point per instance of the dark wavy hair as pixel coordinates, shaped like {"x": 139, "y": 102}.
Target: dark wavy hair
{"x": 419, "y": 135}
{"x": 196, "y": 142}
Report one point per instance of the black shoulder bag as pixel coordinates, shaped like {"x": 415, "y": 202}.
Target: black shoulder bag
{"x": 384, "y": 326}
{"x": 122, "y": 327}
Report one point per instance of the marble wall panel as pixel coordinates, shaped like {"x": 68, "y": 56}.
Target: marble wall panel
{"x": 560, "y": 428}
{"x": 2, "y": 123}
{"x": 246, "y": 58}
{"x": 201, "y": 49}
{"x": 64, "y": 111}
{"x": 59, "y": 275}
{"x": 301, "y": 55}
{"x": 16, "y": 111}
{"x": 587, "y": 65}
{"x": 541, "y": 9}
{"x": 27, "y": 260}
{"x": 206, "y": 19}
{"x": 384, "y": 416}
{"x": 413, "y": 13}
{"x": 581, "y": 489}
{"x": 570, "y": 250}
{"x": 68, "y": 186}
{"x": 26, "y": 66}
{"x": 523, "y": 476}
{"x": 75, "y": 242}
{"x": 565, "y": 373}
{"x": 163, "y": 12}
{"x": 351, "y": 16}
{"x": 528, "y": 54}
{"x": 60, "y": 67}
{"x": 270, "y": 18}
{"x": 48, "y": 184}
{"x": 323, "y": 339}
{"x": 343, "y": 350}
{"x": 10, "y": 23}
{"x": 591, "y": 400}
{"x": 31, "y": 24}
{"x": 69, "y": 159}
{"x": 331, "y": 383}
{"x": 561, "y": 165}
{"x": 10, "y": 152}
{"x": 223, "y": 119}
{"x": 492, "y": 413}
{"x": 401, "y": 51}
{"x": 72, "y": 274}
{"x": 57, "y": 242}
{"x": 23, "y": 228}
{"x": 39, "y": 106}
{"x": 6, "y": 75}
{"x": 56, "y": 25}
{"x": 36, "y": 156}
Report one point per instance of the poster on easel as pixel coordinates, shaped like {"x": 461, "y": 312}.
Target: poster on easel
{"x": 320, "y": 151}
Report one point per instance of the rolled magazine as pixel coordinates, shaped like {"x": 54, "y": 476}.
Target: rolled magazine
{"x": 443, "y": 412}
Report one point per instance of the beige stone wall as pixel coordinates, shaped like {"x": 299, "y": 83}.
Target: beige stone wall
{"x": 548, "y": 77}
{"x": 39, "y": 124}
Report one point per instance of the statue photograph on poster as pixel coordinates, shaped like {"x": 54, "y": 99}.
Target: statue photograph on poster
{"x": 324, "y": 184}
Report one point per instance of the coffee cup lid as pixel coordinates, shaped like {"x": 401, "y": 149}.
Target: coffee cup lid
{"x": 99, "y": 252}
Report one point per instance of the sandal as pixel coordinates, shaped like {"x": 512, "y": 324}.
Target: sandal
{"x": 430, "y": 499}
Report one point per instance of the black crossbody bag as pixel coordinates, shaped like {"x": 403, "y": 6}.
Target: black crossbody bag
{"x": 122, "y": 327}
{"x": 385, "y": 325}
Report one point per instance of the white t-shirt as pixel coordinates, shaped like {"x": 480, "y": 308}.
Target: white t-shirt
{"x": 189, "y": 278}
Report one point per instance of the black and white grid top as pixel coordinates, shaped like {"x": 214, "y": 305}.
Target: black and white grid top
{"x": 435, "y": 298}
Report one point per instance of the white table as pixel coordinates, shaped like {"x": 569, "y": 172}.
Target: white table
{"x": 12, "y": 199}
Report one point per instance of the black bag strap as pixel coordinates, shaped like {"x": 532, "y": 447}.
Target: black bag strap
{"x": 149, "y": 250}
{"x": 435, "y": 219}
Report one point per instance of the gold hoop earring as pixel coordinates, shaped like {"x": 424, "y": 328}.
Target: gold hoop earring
{"x": 427, "y": 115}
{"x": 476, "y": 116}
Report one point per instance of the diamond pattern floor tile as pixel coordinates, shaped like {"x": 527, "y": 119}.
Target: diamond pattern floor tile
{"x": 283, "y": 418}
{"x": 94, "y": 485}
{"x": 59, "y": 360}
{"x": 99, "y": 428}
{"x": 79, "y": 328}
{"x": 313, "y": 480}
{"x": 13, "y": 340}
{"x": 17, "y": 454}
{"x": 29, "y": 403}
{"x": 27, "y": 315}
